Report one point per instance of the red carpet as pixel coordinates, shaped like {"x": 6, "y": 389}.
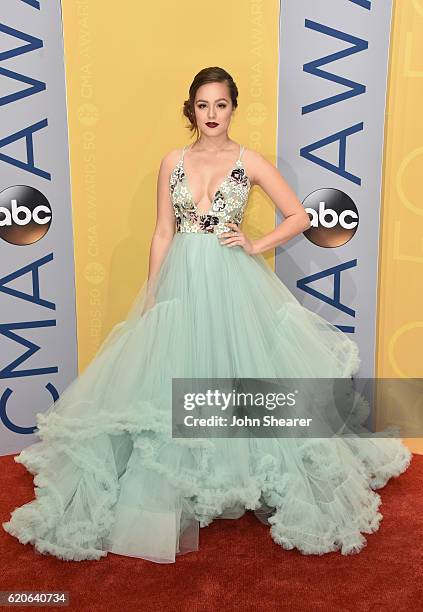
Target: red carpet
{"x": 238, "y": 566}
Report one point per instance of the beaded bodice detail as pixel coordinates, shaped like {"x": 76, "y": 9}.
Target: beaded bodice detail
{"x": 228, "y": 205}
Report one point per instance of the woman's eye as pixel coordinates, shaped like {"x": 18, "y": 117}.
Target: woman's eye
{"x": 203, "y": 105}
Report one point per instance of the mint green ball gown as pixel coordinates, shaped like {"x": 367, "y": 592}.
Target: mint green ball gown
{"x": 109, "y": 476}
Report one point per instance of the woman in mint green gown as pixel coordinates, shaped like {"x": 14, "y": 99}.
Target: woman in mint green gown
{"x": 109, "y": 476}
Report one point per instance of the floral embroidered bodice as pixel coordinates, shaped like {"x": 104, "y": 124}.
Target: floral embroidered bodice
{"x": 228, "y": 204}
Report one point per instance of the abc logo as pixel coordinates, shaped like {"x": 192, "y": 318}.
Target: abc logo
{"x": 25, "y": 215}
{"x": 333, "y": 216}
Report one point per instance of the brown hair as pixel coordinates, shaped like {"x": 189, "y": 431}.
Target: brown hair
{"x": 213, "y": 74}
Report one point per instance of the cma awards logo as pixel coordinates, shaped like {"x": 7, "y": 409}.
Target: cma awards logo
{"x": 333, "y": 216}
{"x": 25, "y": 215}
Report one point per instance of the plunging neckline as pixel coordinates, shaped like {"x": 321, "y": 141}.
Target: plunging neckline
{"x": 209, "y": 210}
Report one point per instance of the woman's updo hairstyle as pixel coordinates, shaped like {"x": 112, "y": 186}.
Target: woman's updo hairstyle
{"x": 213, "y": 74}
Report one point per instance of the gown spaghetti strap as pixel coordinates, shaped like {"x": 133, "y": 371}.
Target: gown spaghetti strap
{"x": 108, "y": 475}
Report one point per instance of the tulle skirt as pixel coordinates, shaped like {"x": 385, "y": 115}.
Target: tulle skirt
{"x": 109, "y": 476}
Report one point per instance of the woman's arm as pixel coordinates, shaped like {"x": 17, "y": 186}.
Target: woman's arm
{"x": 296, "y": 220}
{"x": 164, "y": 230}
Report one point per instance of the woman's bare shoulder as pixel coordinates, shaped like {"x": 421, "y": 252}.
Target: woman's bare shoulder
{"x": 253, "y": 155}
{"x": 171, "y": 158}
{"x": 254, "y": 163}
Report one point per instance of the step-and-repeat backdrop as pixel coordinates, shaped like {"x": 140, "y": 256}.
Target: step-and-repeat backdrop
{"x": 38, "y": 341}
{"x": 333, "y": 70}
{"x": 325, "y": 94}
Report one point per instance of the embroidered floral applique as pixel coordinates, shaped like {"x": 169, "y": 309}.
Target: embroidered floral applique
{"x": 240, "y": 176}
{"x": 228, "y": 206}
{"x": 207, "y": 223}
{"x": 219, "y": 201}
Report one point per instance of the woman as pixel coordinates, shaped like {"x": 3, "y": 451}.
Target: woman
{"x": 109, "y": 475}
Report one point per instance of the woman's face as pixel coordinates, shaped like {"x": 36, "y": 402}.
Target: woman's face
{"x": 213, "y": 105}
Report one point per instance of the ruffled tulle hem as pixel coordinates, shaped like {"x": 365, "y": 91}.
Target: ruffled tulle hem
{"x": 297, "y": 521}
